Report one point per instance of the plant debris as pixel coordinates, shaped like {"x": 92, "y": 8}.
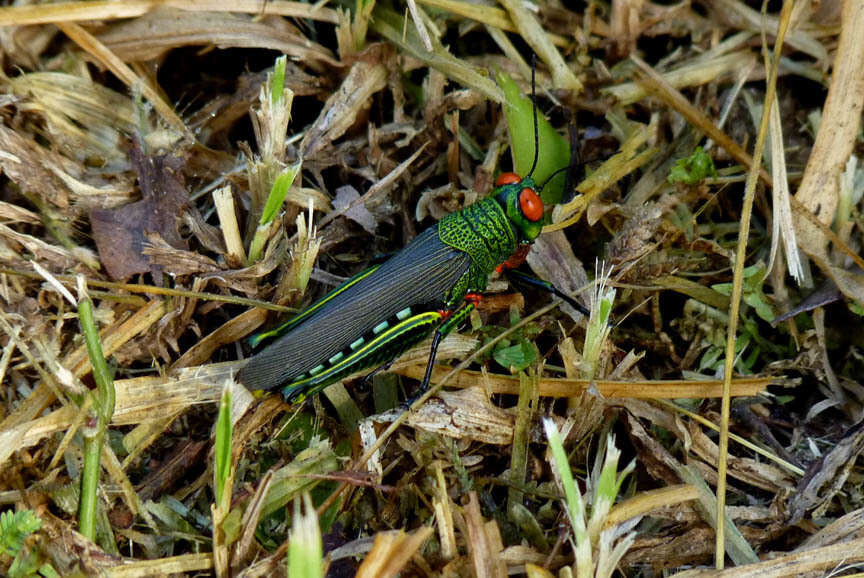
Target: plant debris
{"x": 181, "y": 177}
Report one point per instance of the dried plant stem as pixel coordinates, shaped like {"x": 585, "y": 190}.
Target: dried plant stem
{"x": 737, "y": 285}
{"x": 488, "y": 15}
{"x": 224, "y": 202}
{"x": 800, "y": 563}
{"x": 121, "y": 70}
{"x": 183, "y": 564}
{"x": 744, "y": 442}
{"x": 534, "y": 34}
{"x": 649, "y": 500}
{"x": 154, "y": 290}
{"x": 567, "y": 387}
{"x": 111, "y": 10}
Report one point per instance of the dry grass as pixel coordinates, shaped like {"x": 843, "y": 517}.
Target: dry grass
{"x": 139, "y": 143}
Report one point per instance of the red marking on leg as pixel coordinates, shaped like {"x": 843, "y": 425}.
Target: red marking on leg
{"x": 445, "y": 314}
{"x": 516, "y": 259}
{"x": 473, "y": 298}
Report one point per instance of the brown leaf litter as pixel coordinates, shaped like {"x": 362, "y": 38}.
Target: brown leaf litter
{"x": 138, "y": 146}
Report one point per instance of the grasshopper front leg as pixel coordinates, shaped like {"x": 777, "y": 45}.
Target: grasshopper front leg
{"x": 519, "y": 278}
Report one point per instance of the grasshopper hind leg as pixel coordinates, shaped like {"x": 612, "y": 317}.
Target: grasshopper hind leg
{"x": 366, "y": 380}
{"x": 430, "y": 364}
{"x": 453, "y": 321}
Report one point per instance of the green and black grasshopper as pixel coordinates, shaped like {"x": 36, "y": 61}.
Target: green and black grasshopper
{"x": 430, "y": 285}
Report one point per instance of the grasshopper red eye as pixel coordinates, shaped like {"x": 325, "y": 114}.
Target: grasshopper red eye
{"x": 530, "y": 204}
{"x": 507, "y": 179}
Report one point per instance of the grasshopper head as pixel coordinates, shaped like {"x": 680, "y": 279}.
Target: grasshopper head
{"x": 518, "y": 196}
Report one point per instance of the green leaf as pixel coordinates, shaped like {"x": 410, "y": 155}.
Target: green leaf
{"x": 48, "y": 571}
{"x": 516, "y": 357}
{"x": 15, "y": 527}
{"x": 278, "y": 192}
{"x": 693, "y": 169}
{"x": 760, "y": 304}
{"x": 554, "y": 149}
{"x": 752, "y": 294}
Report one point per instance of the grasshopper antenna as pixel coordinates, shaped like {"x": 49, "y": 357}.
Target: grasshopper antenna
{"x": 552, "y": 176}
{"x": 575, "y": 161}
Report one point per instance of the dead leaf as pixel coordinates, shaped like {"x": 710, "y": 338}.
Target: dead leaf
{"x": 120, "y": 233}
{"x": 464, "y": 414}
{"x": 841, "y": 117}
{"x": 151, "y": 35}
{"x": 552, "y": 258}
{"x": 357, "y": 212}
{"x": 826, "y": 477}
{"x": 176, "y": 262}
{"x": 26, "y": 163}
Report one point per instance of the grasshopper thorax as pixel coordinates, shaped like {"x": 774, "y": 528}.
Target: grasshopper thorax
{"x": 521, "y": 203}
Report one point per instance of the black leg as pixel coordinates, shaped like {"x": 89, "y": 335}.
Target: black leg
{"x": 522, "y": 279}
{"x": 383, "y": 367}
{"x": 424, "y": 385}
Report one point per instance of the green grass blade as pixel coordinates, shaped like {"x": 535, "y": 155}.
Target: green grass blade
{"x": 277, "y": 81}
{"x": 574, "y": 503}
{"x": 278, "y": 193}
{"x": 305, "y": 552}
{"x": 224, "y": 433}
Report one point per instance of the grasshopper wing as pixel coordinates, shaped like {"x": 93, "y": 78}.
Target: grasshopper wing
{"x": 416, "y": 279}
